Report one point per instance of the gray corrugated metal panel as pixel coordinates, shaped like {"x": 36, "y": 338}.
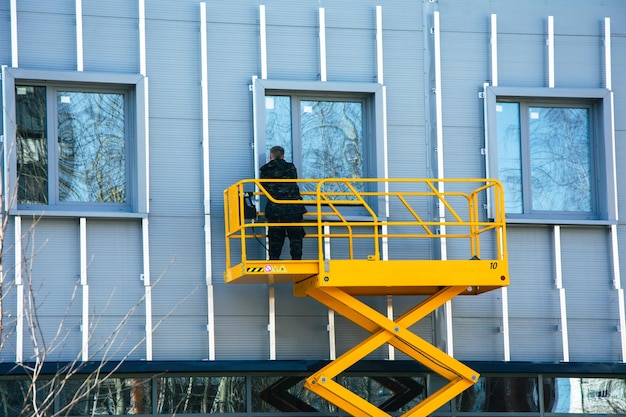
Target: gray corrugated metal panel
{"x": 241, "y": 300}
{"x": 582, "y": 53}
{"x": 179, "y": 295}
{"x": 594, "y": 340}
{"x": 477, "y": 338}
{"x": 114, "y": 264}
{"x": 535, "y": 340}
{"x": 486, "y": 305}
{"x": 522, "y": 61}
{"x": 532, "y": 292}
{"x": 351, "y": 54}
{"x": 410, "y": 249}
{"x": 348, "y": 334}
{"x": 119, "y": 9}
{"x": 180, "y": 338}
{"x": 115, "y": 337}
{"x": 60, "y": 335}
{"x": 423, "y": 328}
{"x": 293, "y": 53}
{"x": 5, "y": 27}
{"x": 301, "y": 337}
{"x": 587, "y": 276}
{"x": 48, "y": 40}
{"x": 179, "y": 194}
{"x": 241, "y": 337}
{"x": 51, "y": 251}
{"x": 110, "y": 44}
{"x": 462, "y": 151}
{"x": 289, "y": 305}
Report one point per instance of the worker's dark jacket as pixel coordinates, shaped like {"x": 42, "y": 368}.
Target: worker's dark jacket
{"x": 281, "y": 169}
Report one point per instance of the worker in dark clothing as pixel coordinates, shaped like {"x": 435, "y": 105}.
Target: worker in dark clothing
{"x": 278, "y": 168}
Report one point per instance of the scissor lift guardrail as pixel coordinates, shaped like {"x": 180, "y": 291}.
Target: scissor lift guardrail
{"x": 348, "y": 211}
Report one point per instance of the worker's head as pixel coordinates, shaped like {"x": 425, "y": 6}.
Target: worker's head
{"x": 277, "y": 152}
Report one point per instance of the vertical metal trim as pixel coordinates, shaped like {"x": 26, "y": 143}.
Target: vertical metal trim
{"x": 332, "y": 348}
{"x": 390, "y": 316}
{"x": 85, "y": 288}
{"x": 440, "y": 170}
{"x": 607, "y": 53}
{"x": 494, "y": 50}
{"x": 142, "y": 38}
{"x": 559, "y": 286}
{"x": 14, "y": 56}
{"x": 551, "y": 51}
{"x": 19, "y": 325}
{"x": 271, "y": 327}
{"x": 322, "y": 44}
{"x": 609, "y": 85}
{"x": 79, "y": 35}
{"x": 505, "y": 324}
{"x": 147, "y": 285}
{"x": 263, "y": 38}
{"x": 207, "y": 182}
{"x": 617, "y": 284}
{"x": 379, "y": 44}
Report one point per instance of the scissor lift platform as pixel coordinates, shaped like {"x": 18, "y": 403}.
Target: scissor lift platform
{"x": 336, "y": 283}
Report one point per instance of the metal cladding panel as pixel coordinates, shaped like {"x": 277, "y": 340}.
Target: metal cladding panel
{"x": 537, "y": 340}
{"x": 522, "y": 60}
{"x": 351, "y": 54}
{"x": 292, "y": 53}
{"x": 301, "y": 337}
{"x": 584, "y": 54}
{"x": 593, "y": 340}
{"x": 587, "y": 277}
{"x": 117, "y": 337}
{"x": 289, "y": 306}
{"x": 50, "y": 248}
{"x": 114, "y": 266}
{"x": 110, "y": 44}
{"x": 348, "y": 334}
{"x": 242, "y": 300}
{"x": 180, "y": 338}
{"x": 242, "y": 337}
{"x": 48, "y": 40}
{"x": 176, "y": 171}
{"x": 479, "y": 339}
{"x": 59, "y": 335}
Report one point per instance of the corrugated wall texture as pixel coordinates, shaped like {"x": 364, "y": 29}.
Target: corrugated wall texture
{"x": 178, "y": 266}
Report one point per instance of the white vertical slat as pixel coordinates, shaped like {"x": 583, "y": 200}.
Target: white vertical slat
{"x": 551, "y": 51}
{"x": 147, "y": 285}
{"x": 505, "y": 324}
{"x": 331, "y": 335}
{"x": 381, "y": 79}
{"x": 208, "y": 265}
{"x": 142, "y": 38}
{"x": 14, "y": 55}
{"x": 79, "y": 35}
{"x": 494, "y": 50}
{"x": 379, "y": 45}
{"x": 19, "y": 283}
{"x": 322, "y": 44}
{"x": 85, "y": 289}
{"x": 440, "y": 171}
{"x": 617, "y": 284}
{"x": 271, "y": 327}
{"x": 559, "y": 285}
{"x": 263, "y": 39}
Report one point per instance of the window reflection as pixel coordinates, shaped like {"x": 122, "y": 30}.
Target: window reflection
{"x": 182, "y": 395}
{"x": 111, "y": 396}
{"x": 586, "y": 395}
{"x": 509, "y": 155}
{"x": 500, "y": 394}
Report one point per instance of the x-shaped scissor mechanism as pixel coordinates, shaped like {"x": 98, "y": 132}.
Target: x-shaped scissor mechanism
{"x": 396, "y": 333}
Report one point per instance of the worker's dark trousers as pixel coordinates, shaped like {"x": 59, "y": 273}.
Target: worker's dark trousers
{"x": 277, "y": 234}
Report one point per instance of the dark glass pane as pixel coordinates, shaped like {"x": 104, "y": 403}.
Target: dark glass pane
{"x": 560, "y": 158}
{"x": 111, "y": 396}
{"x": 500, "y": 395}
{"x": 278, "y": 124}
{"x": 271, "y": 394}
{"x": 32, "y": 145}
{"x": 17, "y": 399}
{"x": 510, "y": 155}
{"x": 91, "y": 144}
{"x": 585, "y": 395}
{"x": 207, "y": 395}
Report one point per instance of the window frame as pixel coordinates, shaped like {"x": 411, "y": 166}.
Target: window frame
{"x": 602, "y": 148}
{"x": 373, "y": 95}
{"x": 135, "y": 142}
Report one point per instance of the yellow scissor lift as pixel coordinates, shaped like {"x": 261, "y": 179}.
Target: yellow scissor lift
{"x": 344, "y": 213}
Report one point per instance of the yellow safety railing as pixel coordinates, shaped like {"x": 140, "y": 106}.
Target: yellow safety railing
{"x": 356, "y": 209}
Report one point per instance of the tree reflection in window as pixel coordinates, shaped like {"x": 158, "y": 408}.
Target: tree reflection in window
{"x": 92, "y": 165}
{"x": 330, "y": 139}
{"x": 544, "y": 157}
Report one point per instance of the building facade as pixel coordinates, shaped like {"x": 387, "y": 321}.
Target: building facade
{"x": 124, "y": 122}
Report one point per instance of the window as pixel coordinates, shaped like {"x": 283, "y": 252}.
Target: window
{"x": 329, "y": 130}
{"x": 77, "y": 145}
{"x": 552, "y": 150}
